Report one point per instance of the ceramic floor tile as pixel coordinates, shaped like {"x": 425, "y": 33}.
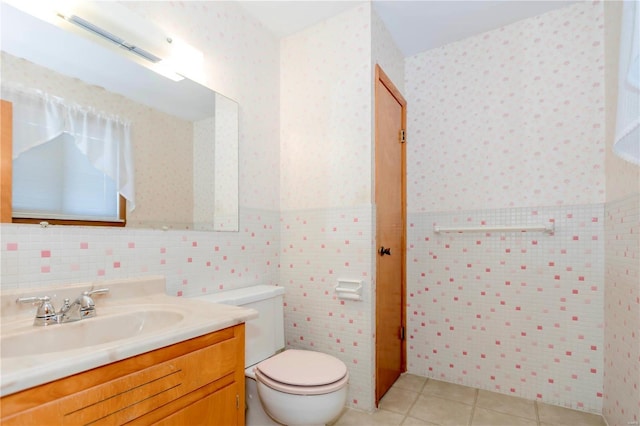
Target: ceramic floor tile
{"x": 441, "y": 411}
{"x": 507, "y": 404}
{"x": 398, "y": 400}
{"x": 453, "y": 391}
{"x": 410, "y": 421}
{"x": 410, "y": 382}
{"x": 560, "y": 416}
{"x": 379, "y": 418}
{"x": 484, "y": 417}
{"x": 442, "y": 403}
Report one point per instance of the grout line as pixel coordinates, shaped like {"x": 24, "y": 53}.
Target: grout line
{"x": 414, "y": 402}
{"x": 473, "y": 407}
{"x": 424, "y": 385}
{"x": 406, "y": 415}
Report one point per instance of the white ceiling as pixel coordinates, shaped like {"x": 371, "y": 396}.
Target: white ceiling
{"x": 416, "y": 26}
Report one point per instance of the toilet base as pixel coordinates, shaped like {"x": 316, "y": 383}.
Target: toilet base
{"x": 255, "y": 414}
{"x": 302, "y": 410}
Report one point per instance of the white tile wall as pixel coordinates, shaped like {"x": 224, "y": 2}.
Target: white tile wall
{"x": 192, "y": 262}
{"x": 517, "y": 313}
{"x": 320, "y": 246}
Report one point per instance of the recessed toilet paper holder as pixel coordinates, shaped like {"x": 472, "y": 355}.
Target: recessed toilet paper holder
{"x": 349, "y": 289}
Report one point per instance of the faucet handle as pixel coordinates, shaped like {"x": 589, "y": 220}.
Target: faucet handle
{"x": 33, "y": 299}
{"x": 46, "y": 313}
{"x": 45, "y": 307}
{"x": 86, "y": 301}
{"x": 87, "y": 306}
{"x": 97, "y": 291}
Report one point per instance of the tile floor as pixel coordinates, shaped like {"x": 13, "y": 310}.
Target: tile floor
{"x": 417, "y": 401}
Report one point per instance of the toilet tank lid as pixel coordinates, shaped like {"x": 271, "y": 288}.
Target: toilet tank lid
{"x": 243, "y": 296}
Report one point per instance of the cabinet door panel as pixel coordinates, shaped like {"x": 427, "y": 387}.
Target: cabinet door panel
{"x": 219, "y": 408}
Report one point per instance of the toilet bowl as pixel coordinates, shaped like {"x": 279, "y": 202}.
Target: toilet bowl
{"x": 298, "y": 387}
{"x": 292, "y": 387}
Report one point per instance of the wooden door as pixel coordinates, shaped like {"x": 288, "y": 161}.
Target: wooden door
{"x": 390, "y": 200}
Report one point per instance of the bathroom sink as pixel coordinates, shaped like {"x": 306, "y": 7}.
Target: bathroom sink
{"x": 136, "y": 316}
{"x": 87, "y": 333}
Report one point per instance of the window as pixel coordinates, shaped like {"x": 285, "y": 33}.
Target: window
{"x": 55, "y": 180}
{"x": 71, "y": 164}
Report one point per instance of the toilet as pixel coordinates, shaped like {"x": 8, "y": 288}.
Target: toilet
{"x": 291, "y": 387}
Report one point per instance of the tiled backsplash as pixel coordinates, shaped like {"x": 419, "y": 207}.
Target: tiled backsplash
{"x": 517, "y": 313}
{"x": 192, "y": 262}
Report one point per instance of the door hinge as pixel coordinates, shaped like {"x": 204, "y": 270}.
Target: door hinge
{"x": 237, "y": 401}
{"x": 403, "y": 136}
{"x": 401, "y": 333}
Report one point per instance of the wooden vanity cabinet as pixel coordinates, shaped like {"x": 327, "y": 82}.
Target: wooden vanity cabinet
{"x": 196, "y": 382}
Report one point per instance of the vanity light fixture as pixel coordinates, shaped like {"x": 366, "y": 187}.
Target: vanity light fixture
{"x": 84, "y": 24}
{"x": 116, "y": 25}
{"x": 185, "y": 59}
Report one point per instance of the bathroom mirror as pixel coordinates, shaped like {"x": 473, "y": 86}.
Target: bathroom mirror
{"x": 185, "y": 136}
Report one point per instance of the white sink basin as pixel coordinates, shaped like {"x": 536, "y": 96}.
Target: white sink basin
{"x": 87, "y": 332}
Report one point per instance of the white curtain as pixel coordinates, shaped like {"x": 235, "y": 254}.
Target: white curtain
{"x": 105, "y": 140}
{"x": 627, "y": 141}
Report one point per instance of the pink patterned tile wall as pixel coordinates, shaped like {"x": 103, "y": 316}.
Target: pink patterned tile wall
{"x": 516, "y": 313}
{"x": 193, "y": 262}
{"x": 318, "y": 247}
{"x": 622, "y": 312}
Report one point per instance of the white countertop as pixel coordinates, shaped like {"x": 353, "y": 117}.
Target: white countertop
{"x": 196, "y": 318}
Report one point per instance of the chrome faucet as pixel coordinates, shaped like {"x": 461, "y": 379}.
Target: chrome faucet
{"x": 46, "y": 314}
{"x": 81, "y": 308}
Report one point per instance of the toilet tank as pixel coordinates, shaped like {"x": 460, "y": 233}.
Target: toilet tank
{"x": 264, "y": 336}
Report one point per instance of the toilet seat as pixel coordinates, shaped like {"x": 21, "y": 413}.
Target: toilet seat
{"x": 302, "y": 372}
{"x": 301, "y": 390}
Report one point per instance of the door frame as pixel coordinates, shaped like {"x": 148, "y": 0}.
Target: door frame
{"x": 6, "y": 159}
{"x": 383, "y": 78}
